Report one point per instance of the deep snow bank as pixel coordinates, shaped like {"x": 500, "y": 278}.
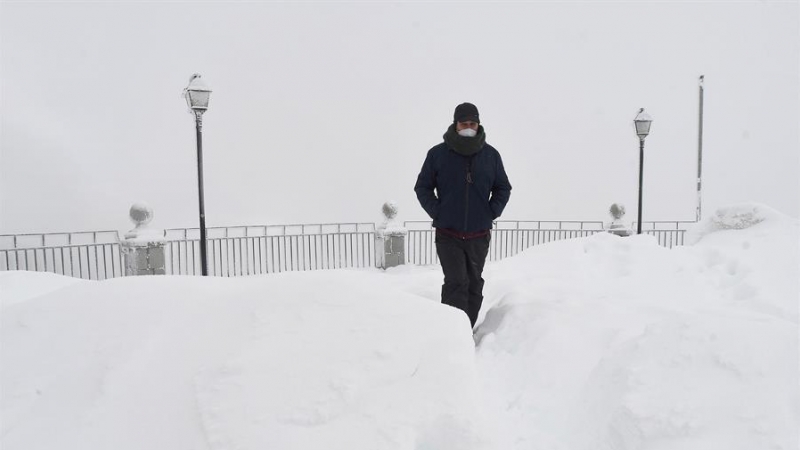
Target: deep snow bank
{"x": 736, "y": 217}
{"x": 19, "y": 286}
{"x": 617, "y": 343}
{"x": 295, "y": 361}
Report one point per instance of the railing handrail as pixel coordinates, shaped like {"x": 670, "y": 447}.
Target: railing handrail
{"x": 193, "y": 239}
{"x": 600, "y": 224}
{"x": 58, "y": 232}
{"x": 69, "y": 235}
{"x": 88, "y": 244}
{"x": 276, "y": 225}
{"x": 653, "y": 224}
{"x": 282, "y": 228}
{"x": 498, "y": 224}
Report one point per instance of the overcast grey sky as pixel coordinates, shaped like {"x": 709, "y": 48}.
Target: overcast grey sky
{"x": 323, "y": 111}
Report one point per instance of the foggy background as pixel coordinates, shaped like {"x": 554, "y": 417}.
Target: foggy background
{"x": 321, "y": 112}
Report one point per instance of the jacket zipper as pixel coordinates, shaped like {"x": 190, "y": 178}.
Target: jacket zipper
{"x": 466, "y": 194}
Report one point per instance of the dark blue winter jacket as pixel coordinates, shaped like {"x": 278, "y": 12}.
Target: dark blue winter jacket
{"x": 463, "y": 193}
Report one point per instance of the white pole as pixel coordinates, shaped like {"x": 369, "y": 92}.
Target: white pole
{"x": 700, "y": 154}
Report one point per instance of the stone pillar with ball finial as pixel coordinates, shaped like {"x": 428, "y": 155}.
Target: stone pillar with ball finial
{"x": 617, "y": 211}
{"x": 143, "y": 247}
{"x": 390, "y": 239}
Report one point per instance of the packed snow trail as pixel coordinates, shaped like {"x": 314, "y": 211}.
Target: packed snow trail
{"x": 594, "y": 343}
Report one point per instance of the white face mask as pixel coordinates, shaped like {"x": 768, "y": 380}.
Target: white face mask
{"x": 468, "y": 132}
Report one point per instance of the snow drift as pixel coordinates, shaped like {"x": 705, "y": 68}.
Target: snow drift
{"x": 288, "y": 361}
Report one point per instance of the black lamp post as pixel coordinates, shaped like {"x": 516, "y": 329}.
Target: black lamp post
{"x": 642, "y": 122}
{"x": 197, "y": 94}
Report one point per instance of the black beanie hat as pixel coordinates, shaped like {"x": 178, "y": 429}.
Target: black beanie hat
{"x": 466, "y": 112}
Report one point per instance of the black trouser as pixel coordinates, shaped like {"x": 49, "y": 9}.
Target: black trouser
{"x": 462, "y": 263}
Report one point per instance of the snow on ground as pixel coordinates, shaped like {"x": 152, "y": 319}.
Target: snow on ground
{"x": 594, "y": 343}
{"x": 609, "y": 343}
{"x": 289, "y": 361}
{"x": 19, "y": 286}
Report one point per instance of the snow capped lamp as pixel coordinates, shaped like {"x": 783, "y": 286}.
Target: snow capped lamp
{"x": 197, "y": 94}
{"x": 642, "y": 123}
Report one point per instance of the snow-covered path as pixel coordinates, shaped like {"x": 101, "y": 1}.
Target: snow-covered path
{"x": 595, "y": 343}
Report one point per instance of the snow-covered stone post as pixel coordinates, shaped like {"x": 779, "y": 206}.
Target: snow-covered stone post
{"x": 617, "y": 227}
{"x": 143, "y": 247}
{"x": 390, "y": 239}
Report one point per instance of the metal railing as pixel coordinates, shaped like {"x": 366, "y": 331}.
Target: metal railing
{"x": 92, "y": 255}
{"x": 508, "y": 237}
{"x": 253, "y": 250}
{"x": 669, "y": 233}
{"x": 511, "y": 237}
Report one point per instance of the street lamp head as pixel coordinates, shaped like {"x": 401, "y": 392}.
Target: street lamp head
{"x": 642, "y": 122}
{"x": 197, "y": 94}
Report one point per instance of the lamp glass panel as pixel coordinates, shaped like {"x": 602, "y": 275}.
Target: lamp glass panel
{"x": 199, "y": 99}
{"x": 642, "y": 127}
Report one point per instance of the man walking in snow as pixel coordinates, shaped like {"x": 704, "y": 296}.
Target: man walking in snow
{"x": 463, "y": 187}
